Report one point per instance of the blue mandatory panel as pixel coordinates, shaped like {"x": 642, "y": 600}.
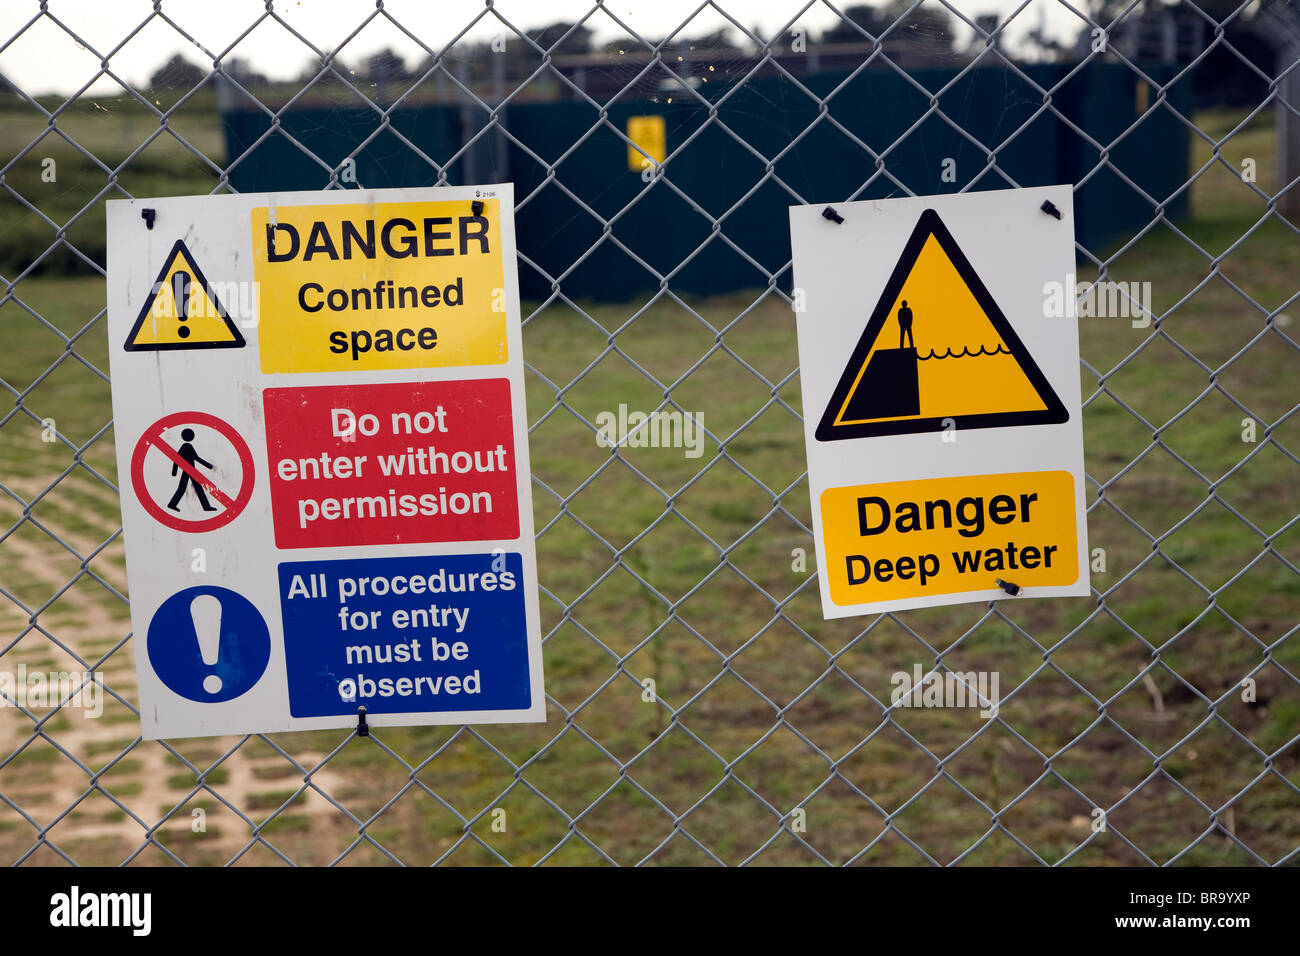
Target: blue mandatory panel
{"x": 239, "y": 642}
{"x": 405, "y": 635}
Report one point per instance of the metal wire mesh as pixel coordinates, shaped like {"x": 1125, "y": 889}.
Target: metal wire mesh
{"x": 1159, "y": 710}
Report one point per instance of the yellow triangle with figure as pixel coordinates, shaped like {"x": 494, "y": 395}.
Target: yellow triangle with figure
{"x": 937, "y": 353}
{"x": 182, "y": 311}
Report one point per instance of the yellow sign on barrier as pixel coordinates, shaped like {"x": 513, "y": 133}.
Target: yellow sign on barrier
{"x": 650, "y": 134}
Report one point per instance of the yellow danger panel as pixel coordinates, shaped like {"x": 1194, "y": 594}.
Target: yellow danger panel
{"x": 937, "y": 348}
{"x": 936, "y": 536}
{"x": 379, "y": 286}
{"x": 182, "y": 311}
{"x": 650, "y": 136}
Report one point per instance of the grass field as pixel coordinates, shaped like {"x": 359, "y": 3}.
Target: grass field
{"x": 762, "y": 707}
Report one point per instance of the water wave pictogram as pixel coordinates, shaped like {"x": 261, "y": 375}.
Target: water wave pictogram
{"x": 964, "y": 353}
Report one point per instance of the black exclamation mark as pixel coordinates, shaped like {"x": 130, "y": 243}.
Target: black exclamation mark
{"x": 181, "y": 293}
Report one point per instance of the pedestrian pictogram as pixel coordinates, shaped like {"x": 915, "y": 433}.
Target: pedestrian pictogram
{"x": 208, "y": 644}
{"x": 182, "y": 311}
{"x": 187, "y": 454}
{"x": 192, "y": 472}
{"x": 958, "y": 358}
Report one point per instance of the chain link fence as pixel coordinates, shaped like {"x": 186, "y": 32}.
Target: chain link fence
{"x": 700, "y": 710}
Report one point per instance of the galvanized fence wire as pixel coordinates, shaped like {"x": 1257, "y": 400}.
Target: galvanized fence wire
{"x": 564, "y": 721}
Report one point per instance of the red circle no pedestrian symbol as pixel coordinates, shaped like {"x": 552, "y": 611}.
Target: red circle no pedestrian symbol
{"x": 192, "y": 471}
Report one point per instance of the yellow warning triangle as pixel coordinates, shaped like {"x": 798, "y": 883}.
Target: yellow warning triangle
{"x": 182, "y": 311}
{"x": 937, "y": 347}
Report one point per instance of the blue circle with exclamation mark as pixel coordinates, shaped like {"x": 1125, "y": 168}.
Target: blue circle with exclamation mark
{"x": 208, "y": 644}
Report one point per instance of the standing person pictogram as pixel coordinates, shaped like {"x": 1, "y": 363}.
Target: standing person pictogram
{"x": 188, "y": 454}
{"x": 905, "y": 326}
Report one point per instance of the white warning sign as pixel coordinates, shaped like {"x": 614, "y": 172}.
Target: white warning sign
{"x": 941, "y": 400}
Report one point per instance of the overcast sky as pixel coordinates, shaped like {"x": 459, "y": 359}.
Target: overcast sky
{"x": 45, "y": 59}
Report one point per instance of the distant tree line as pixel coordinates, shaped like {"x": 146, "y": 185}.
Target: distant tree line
{"x": 930, "y": 32}
{"x": 179, "y": 74}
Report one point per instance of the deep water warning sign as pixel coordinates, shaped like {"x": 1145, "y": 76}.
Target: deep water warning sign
{"x": 970, "y": 365}
{"x": 324, "y": 427}
{"x": 945, "y": 454}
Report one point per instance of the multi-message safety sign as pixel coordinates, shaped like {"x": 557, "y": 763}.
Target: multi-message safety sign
{"x": 941, "y": 399}
{"x": 318, "y": 402}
